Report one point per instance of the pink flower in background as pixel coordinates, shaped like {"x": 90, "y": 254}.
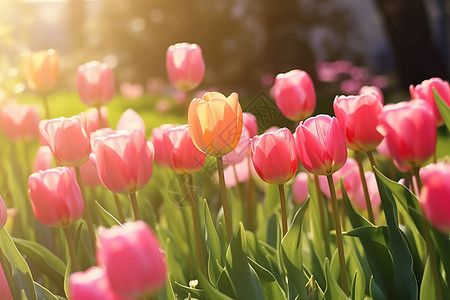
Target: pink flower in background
{"x": 349, "y": 173}
{"x": 92, "y": 116}
{"x": 357, "y": 195}
{"x": 250, "y": 124}
{"x": 350, "y": 86}
{"x": 435, "y": 194}
{"x": 321, "y": 145}
{"x": 242, "y": 170}
{"x": 326, "y": 72}
{"x": 155, "y": 85}
{"x": 95, "y": 83}
{"x": 267, "y": 79}
{"x": 43, "y": 160}
{"x": 41, "y": 70}
{"x": 240, "y": 152}
{"x": 424, "y": 91}
{"x": 300, "y": 187}
{"x": 131, "y": 90}
{"x": 89, "y": 174}
{"x": 131, "y": 255}
{"x": 162, "y": 106}
{"x": 295, "y": 95}
{"x": 157, "y": 139}
{"x": 185, "y": 66}
{"x": 131, "y": 120}
{"x": 20, "y": 122}
{"x": 55, "y": 197}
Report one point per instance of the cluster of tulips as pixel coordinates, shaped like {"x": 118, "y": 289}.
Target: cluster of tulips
{"x": 128, "y": 261}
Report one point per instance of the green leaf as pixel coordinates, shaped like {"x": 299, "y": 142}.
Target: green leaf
{"x": 43, "y": 294}
{"x": 21, "y": 274}
{"x": 106, "y": 216}
{"x": 404, "y": 278}
{"x": 170, "y": 294}
{"x": 242, "y": 276}
{"x": 269, "y": 284}
{"x": 47, "y": 262}
{"x": 333, "y": 290}
{"x": 194, "y": 291}
{"x": 315, "y": 223}
{"x": 213, "y": 245}
{"x": 209, "y": 290}
{"x": 66, "y": 277}
{"x": 224, "y": 284}
{"x": 427, "y": 290}
{"x": 291, "y": 252}
{"x": 443, "y": 109}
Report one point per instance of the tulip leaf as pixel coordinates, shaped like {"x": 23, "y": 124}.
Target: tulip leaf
{"x": 170, "y": 294}
{"x": 48, "y": 263}
{"x": 404, "y": 278}
{"x": 106, "y": 216}
{"x": 333, "y": 290}
{"x": 224, "y": 284}
{"x": 66, "y": 277}
{"x": 21, "y": 274}
{"x": 43, "y": 293}
{"x": 243, "y": 277}
{"x": 443, "y": 109}
{"x": 212, "y": 244}
{"x": 427, "y": 290}
{"x": 269, "y": 284}
{"x": 442, "y": 245}
{"x": 291, "y": 252}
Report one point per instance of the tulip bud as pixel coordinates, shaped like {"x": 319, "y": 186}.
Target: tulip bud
{"x": 250, "y": 124}
{"x": 41, "y": 70}
{"x": 240, "y": 152}
{"x": 131, "y": 120}
{"x": 95, "y": 83}
{"x": 185, "y": 66}
{"x": 157, "y": 140}
{"x": 93, "y": 118}
{"x": 295, "y": 95}
{"x": 131, "y": 255}
{"x": 300, "y": 187}
{"x": 55, "y": 197}
{"x": 274, "y": 156}
{"x": 44, "y": 159}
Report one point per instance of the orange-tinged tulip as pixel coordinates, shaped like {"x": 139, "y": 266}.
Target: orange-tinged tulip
{"x": 41, "y": 70}
{"x": 215, "y": 123}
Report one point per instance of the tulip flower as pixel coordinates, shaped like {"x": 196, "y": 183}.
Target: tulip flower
{"x": 358, "y": 118}
{"x": 250, "y": 124}
{"x": 91, "y": 284}
{"x": 68, "y": 138}
{"x": 55, "y": 197}
{"x": 131, "y": 91}
{"x": 41, "y": 70}
{"x": 350, "y": 177}
{"x": 357, "y": 195}
{"x": 132, "y": 258}
{"x": 410, "y": 131}
{"x": 157, "y": 140}
{"x": 295, "y": 95}
{"x": 3, "y": 213}
{"x": 435, "y": 194}
{"x": 300, "y": 187}
{"x": 185, "y": 66}
{"x": 95, "y": 122}
{"x": 89, "y": 173}
{"x": 44, "y": 158}
{"x": 131, "y": 120}
{"x": 275, "y": 160}
{"x": 424, "y": 91}
{"x": 241, "y": 174}
{"x": 184, "y": 157}
{"x": 240, "y": 152}
{"x": 322, "y": 151}
{"x": 372, "y": 90}
{"x": 20, "y": 122}
{"x": 215, "y": 123}
{"x": 321, "y": 145}
{"x": 95, "y": 83}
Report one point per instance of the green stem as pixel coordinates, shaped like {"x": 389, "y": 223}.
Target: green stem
{"x": 119, "y": 208}
{"x": 134, "y": 203}
{"x": 340, "y": 245}
{"x": 223, "y": 194}
{"x": 372, "y": 160}
{"x": 72, "y": 252}
{"x": 87, "y": 213}
{"x": 100, "y": 119}
{"x": 411, "y": 182}
{"x": 250, "y": 202}
{"x": 323, "y": 227}
{"x": 46, "y": 108}
{"x": 189, "y": 187}
{"x": 365, "y": 189}
{"x": 283, "y": 208}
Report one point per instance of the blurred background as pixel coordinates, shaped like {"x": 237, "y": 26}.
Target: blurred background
{"x": 342, "y": 44}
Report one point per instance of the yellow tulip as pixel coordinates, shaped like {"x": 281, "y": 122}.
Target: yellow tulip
{"x": 215, "y": 123}
{"x": 41, "y": 70}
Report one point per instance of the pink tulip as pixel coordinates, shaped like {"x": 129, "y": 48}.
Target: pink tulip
{"x": 131, "y": 91}
{"x": 92, "y": 116}
{"x": 89, "y": 174}
{"x": 44, "y": 159}
{"x": 5, "y": 292}
{"x": 273, "y": 156}
{"x": 131, "y": 120}
{"x": 55, "y": 197}
{"x": 95, "y": 83}
{"x": 68, "y": 138}
{"x": 358, "y": 118}
{"x": 241, "y": 171}
{"x": 300, "y": 187}
{"x": 91, "y": 284}
{"x": 250, "y": 124}
{"x": 425, "y": 91}
{"x": 435, "y": 194}
{"x": 184, "y": 157}
{"x": 185, "y": 66}
{"x": 99, "y": 133}
{"x": 374, "y": 90}
{"x": 357, "y": 195}
{"x": 240, "y": 152}
{"x": 3, "y": 213}
{"x": 410, "y": 131}
{"x": 20, "y": 122}
{"x": 124, "y": 161}
{"x": 295, "y": 95}
{"x": 321, "y": 145}
{"x": 349, "y": 173}
{"x": 272, "y": 129}
{"x": 132, "y": 258}
{"x": 157, "y": 139}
